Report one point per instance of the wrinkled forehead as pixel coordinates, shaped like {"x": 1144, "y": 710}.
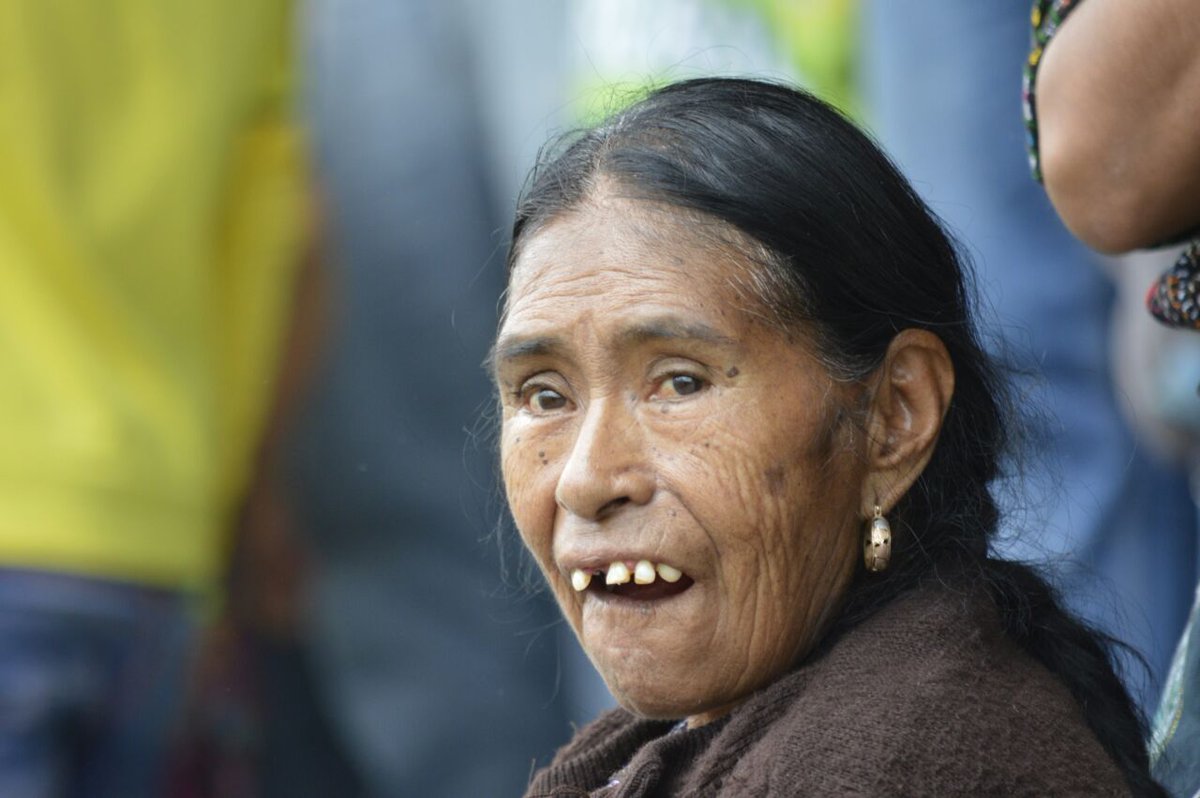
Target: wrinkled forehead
{"x": 615, "y": 243}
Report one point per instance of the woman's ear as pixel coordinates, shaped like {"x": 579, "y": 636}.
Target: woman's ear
{"x": 911, "y": 394}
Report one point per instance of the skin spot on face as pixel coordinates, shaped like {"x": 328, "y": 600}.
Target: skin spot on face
{"x": 733, "y": 372}
{"x": 541, "y": 454}
{"x": 775, "y": 479}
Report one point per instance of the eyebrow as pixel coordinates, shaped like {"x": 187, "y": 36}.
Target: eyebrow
{"x": 510, "y": 348}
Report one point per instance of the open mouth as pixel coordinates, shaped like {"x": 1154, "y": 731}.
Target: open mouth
{"x": 636, "y": 581}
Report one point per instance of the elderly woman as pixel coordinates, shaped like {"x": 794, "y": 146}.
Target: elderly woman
{"x": 748, "y": 433}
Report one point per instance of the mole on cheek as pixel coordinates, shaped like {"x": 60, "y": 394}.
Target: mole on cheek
{"x": 733, "y": 372}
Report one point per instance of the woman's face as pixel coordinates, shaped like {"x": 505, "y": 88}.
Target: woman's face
{"x": 659, "y": 436}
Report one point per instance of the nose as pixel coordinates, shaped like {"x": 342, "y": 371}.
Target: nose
{"x": 607, "y": 468}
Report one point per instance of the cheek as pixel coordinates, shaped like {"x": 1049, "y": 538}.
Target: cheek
{"x": 530, "y": 479}
{"x": 746, "y": 483}
{"x": 774, "y": 503}
{"x": 529, "y": 486}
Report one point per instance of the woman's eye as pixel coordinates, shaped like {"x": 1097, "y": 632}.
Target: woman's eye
{"x": 546, "y": 400}
{"x": 683, "y": 385}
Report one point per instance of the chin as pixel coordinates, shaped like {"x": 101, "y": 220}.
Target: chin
{"x": 662, "y": 700}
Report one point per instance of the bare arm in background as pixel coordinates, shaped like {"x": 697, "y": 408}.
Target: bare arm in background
{"x": 270, "y": 569}
{"x": 1118, "y": 108}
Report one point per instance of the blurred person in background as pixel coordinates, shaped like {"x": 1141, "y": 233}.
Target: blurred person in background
{"x": 1111, "y": 96}
{"x": 409, "y": 665}
{"x": 941, "y": 85}
{"x": 152, "y": 212}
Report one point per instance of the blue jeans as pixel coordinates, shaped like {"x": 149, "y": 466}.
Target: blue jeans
{"x": 91, "y": 681}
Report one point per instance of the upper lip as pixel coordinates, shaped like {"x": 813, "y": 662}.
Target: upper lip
{"x": 600, "y": 559}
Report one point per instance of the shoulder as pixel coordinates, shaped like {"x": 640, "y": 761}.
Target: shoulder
{"x": 929, "y": 697}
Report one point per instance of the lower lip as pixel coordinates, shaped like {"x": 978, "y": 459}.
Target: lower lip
{"x": 658, "y": 590}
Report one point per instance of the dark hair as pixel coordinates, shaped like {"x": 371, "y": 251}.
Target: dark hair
{"x": 855, "y": 255}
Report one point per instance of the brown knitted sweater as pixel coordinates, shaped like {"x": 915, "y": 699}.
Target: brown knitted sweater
{"x": 928, "y": 697}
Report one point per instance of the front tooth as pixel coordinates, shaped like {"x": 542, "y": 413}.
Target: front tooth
{"x": 580, "y": 580}
{"x": 618, "y": 574}
{"x": 668, "y": 573}
{"x": 643, "y": 572}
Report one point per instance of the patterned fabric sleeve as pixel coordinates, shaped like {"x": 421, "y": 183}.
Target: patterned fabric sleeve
{"x": 1047, "y": 18}
{"x": 1174, "y": 299}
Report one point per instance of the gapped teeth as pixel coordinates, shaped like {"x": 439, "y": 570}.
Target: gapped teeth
{"x": 618, "y": 574}
{"x": 668, "y": 573}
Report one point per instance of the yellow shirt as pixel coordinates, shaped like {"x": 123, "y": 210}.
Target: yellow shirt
{"x": 151, "y": 198}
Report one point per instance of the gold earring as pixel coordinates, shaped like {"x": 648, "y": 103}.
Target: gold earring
{"x": 877, "y": 543}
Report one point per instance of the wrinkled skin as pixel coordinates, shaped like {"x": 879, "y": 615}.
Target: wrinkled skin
{"x": 649, "y": 413}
